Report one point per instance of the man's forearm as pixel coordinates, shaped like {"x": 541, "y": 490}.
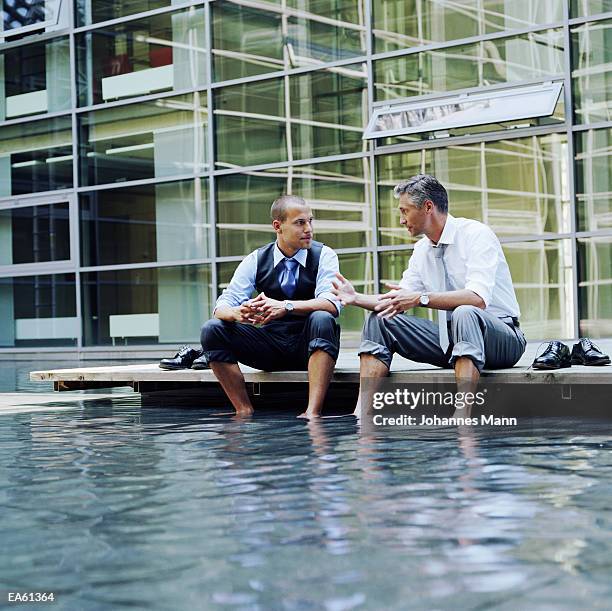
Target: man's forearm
{"x": 303, "y": 308}
{"x": 450, "y": 300}
{"x": 226, "y": 312}
{"x": 367, "y": 302}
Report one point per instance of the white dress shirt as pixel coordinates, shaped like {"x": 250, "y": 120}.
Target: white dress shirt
{"x": 473, "y": 259}
{"x": 242, "y": 284}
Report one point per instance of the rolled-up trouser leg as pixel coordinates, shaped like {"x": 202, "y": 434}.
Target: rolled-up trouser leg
{"x": 484, "y": 338}
{"x": 321, "y": 332}
{"x": 413, "y": 338}
{"x": 230, "y": 342}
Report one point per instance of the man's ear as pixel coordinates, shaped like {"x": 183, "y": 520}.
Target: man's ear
{"x": 429, "y": 205}
{"x": 276, "y": 224}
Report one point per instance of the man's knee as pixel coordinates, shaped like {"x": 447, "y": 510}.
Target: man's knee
{"x": 372, "y": 324}
{"x": 465, "y": 312}
{"x": 321, "y": 319}
{"x": 213, "y": 329}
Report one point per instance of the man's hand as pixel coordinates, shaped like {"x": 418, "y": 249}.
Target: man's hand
{"x": 267, "y": 309}
{"x": 396, "y": 301}
{"x": 343, "y": 290}
{"x": 247, "y": 313}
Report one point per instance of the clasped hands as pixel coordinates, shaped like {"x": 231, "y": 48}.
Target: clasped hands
{"x": 260, "y": 310}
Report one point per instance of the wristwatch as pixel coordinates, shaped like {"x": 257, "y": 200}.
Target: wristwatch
{"x": 424, "y": 300}
{"x": 289, "y": 306}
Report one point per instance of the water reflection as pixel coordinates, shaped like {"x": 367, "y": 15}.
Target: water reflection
{"x": 113, "y": 504}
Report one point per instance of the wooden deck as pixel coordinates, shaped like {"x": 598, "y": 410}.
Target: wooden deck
{"x": 149, "y": 377}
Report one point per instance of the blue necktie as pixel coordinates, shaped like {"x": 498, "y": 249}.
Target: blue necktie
{"x": 287, "y": 280}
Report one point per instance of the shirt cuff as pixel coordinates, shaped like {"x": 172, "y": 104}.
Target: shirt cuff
{"x": 482, "y": 290}
{"x": 331, "y": 297}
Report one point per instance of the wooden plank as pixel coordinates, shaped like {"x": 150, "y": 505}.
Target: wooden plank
{"x": 93, "y": 377}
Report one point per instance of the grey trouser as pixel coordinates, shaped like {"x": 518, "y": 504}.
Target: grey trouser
{"x": 486, "y": 339}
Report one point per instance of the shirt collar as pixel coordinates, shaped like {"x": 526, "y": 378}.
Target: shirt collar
{"x": 448, "y": 233}
{"x": 299, "y": 256}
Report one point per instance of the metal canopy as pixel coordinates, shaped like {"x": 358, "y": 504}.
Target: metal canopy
{"x": 464, "y": 110}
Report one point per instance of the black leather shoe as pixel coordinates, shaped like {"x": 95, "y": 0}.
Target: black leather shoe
{"x": 555, "y": 356}
{"x": 201, "y": 363}
{"x": 183, "y": 359}
{"x": 585, "y": 352}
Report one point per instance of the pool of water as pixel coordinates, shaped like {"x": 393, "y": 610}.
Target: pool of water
{"x": 111, "y": 505}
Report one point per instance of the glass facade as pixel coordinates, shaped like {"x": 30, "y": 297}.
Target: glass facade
{"x": 140, "y": 151}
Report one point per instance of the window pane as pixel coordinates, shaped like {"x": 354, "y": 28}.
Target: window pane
{"x": 592, "y": 44}
{"x": 407, "y": 23}
{"x": 517, "y": 187}
{"x": 594, "y": 179}
{"x": 165, "y": 222}
{"x": 34, "y": 234}
{"x": 33, "y": 16}
{"x": 543, "y": 279}
{"x": 327, "y": 112}
{"x": 38, "y": 311}
{"x": 149, "y": 140}
{"x": 250, "y": 124}
{"x": 35, "y": 79}
{"x": 338, "y": 193}
{"x": 93, "y": 11}
{"x": 595, "y": 286}
{"x": 145, "y": 306}
{"x": 584, "y": 8}
{"x": 326, "y": 118}
{"x": 161, "y": 53}
{"x": 538, "y": 55}
{"x": 36, "y": 157}
{"x": 248, "y": 40}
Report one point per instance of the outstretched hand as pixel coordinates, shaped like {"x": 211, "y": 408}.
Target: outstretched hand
{"x": 344, "y": 290}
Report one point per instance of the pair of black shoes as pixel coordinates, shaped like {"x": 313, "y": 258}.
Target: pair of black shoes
{"x": 186, "y": 358}
{"x": 557, "y": 355}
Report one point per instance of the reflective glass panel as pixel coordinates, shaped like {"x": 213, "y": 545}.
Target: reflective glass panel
{"x": 31, "y": 16}
{"x": 592, "y": 57}
{"x": 584, "y": 8}
{"x": 153, "y": 139}
{"x": 407, "y": 23}
{"x": 34, "y": 234}
{"x": 326, "y": 118}
{"x": 338, "y": 193}
{"x": 263, "y": 37}
{"x": 517, "y": 187}
{"x": 38, "y": 311}
{"x": 36, "y": 156}
{"x": 93, "y": 11}
{"x": 163, "y": 52}
{"x": 595, "y": 286}
{"x": 543, "y": 278}
{"x": 164, "y": 222}
{"x": 593, "y": 150}
{"x": 35, "y": 79}
{"x": 145, "y": 306}
{"x": 538, "y": 55}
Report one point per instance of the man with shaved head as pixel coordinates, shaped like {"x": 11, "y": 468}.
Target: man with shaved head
{"x": 290, "y": 324}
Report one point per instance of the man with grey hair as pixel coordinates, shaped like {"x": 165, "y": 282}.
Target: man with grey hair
{"x": 459, "y": 269}
{"x": 290, "y": 324}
